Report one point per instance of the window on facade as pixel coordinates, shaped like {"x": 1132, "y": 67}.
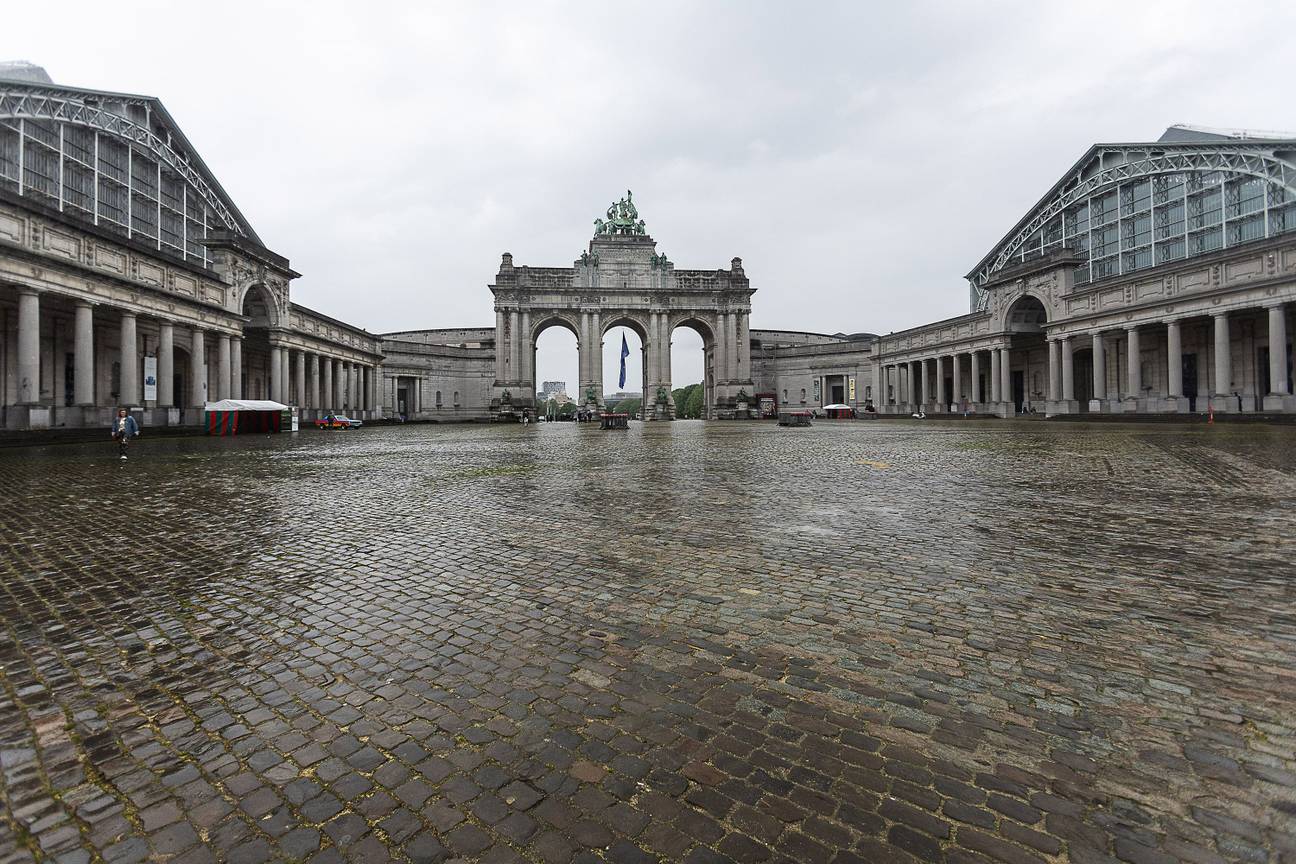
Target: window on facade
{"x": 803, "y": 395}
{"x": 456, "y": 402}
{"x": 438, "y": 398}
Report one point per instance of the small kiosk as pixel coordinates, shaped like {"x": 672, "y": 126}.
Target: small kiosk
{"x": 247, "y": 416}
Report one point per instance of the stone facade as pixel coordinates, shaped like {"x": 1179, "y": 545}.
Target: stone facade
{"x": 97, "y": 314}
{"x": 1202, "y": 331}
{"x": 808, "y": 371}
{"x": 443, "y": 376}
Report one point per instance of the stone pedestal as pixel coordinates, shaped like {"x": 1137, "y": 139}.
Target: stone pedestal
{"x": 1061, "y": 406}
{"x": 1284, "y": 402}
{"x": 1168, "y": 405}
{"x": 19, "y": 417}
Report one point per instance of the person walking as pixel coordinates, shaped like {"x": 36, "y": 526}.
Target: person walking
{"x": 124, "y": 428}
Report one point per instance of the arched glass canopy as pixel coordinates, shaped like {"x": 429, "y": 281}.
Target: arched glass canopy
{"x": 115, "y": 161}
{"x": 1126, "y": 208}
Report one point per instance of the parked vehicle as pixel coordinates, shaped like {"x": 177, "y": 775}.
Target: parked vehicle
{"x": 337, "y": 421}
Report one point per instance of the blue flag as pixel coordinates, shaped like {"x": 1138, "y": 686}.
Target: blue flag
{"x": 625, "y": 352}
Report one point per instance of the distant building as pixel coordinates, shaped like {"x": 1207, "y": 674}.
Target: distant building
{"x": 551, "y": 389}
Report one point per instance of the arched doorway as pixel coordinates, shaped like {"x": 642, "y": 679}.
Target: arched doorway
{"x": 1024, "y": 325}
{"x": 262, "y": 314}
{"x": 643, "y": 372}
{"x": 555, "y": 363}
{"x": 693, "y": 364}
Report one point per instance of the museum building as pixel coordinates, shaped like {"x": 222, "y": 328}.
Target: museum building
{"x": 129, "y": 278}
{"x": 1152, "y": 278}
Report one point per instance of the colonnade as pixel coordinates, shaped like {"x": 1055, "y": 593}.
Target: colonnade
{"x": 315, "y": 381}
{"x": 919, "y": 384}
{"x": 295, "y": 376}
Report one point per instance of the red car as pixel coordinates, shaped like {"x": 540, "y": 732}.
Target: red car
{"x": 337, "y": 421}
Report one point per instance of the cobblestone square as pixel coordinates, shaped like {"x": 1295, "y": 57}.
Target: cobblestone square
{"x": 1009, "y": 641}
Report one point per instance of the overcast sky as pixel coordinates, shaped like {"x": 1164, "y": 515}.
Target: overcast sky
{"x": 859, "y": 157}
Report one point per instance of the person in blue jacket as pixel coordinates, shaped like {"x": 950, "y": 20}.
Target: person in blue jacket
{"x": 124, "y": 428}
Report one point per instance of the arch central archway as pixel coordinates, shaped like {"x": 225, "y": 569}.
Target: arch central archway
{"x": 644, "y": 355}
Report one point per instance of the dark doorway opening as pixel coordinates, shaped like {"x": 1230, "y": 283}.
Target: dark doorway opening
{"x": 838, "y": 394}
{"x": 402, "y": 401}
{"x": 1190, "y": 380}
{"x": 1082, "y": 377}
{"x": 1018, "y": 390}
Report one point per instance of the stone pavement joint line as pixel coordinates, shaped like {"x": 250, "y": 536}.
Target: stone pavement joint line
{"x": 689, "y": 642}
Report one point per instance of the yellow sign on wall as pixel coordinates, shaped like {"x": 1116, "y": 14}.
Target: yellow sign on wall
{"x": 851, "y": 387}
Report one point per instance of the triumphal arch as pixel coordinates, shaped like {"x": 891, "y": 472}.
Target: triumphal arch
{"x": 621, "y": 280}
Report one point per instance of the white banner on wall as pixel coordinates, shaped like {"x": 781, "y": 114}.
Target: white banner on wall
{"x": 150, "y": 379}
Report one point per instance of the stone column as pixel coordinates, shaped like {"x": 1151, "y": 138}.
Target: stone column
{"x": 28, "y": 347}
{"x": 1174, "y": 363}
{"x": 326, "y": 384}
{"x": 348, "y": 385}
{"x": 286, "y": 371}
{"x": 1134, "y": 372}
{"x": 130, "y": 388}
{"x": 731, "y": 344}
{"x": 375, "y": 390}
{"x": 596, "y": 356}
{"x": 1278, "y": 350}
{"x": 1099, "y": 374}
{"x": 1223, "y": 364}
{"x": 1068, "y": 370}
{"x": 942, "y": 403}
{"x": 957, "y": 395}
{"x": 528, "y": 352}
{"x": 1055, "y": 371}
{"x": 276, "y": 375}
{"x": 1005, "y": 369}
{"x": 223, "y": 370}
{"x": 197, "y": 371}
{"x": 996, "y": 376}
{"x": 975, "y": 375}
{"x": 501, "y": 345}
{"x": 83, "y": 374}
{"x": 299, "y": 367}
{"x": 236, "y": 367}
{"x": 515, "y": 347}
{"x": 166, "y": 365}
{"x": 743, "y": 348}
{"x": 315, "y": 381}
{"x": 664, "y": 366}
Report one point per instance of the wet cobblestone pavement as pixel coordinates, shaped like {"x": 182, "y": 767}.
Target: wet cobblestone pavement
{"x": 688, "y": 642}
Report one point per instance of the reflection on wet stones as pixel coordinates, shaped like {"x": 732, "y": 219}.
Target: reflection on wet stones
{"x": 855, "y": 642}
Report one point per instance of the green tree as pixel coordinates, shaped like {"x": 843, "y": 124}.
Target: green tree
{"x": 688, "y": 402}
{"x": 627, "y": 406}
{"x": 567, "y": 409}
